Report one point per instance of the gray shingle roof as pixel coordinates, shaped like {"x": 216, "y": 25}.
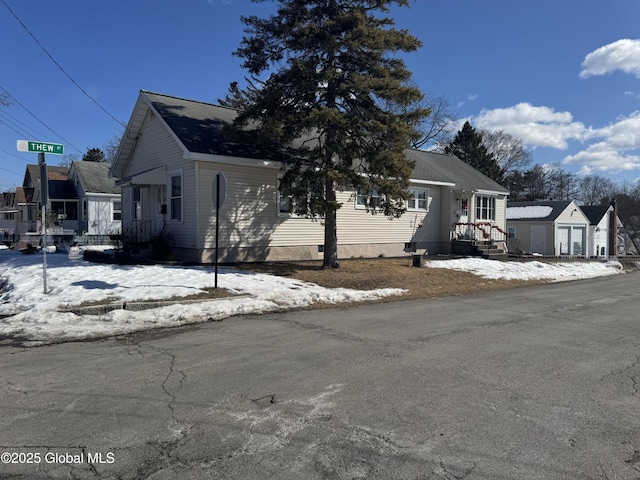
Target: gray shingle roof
{"x": 440, "y": 167}
{"x": 94, "y": 177}
{"x": 201, "y": 129}
{"x": 595, "y": 213}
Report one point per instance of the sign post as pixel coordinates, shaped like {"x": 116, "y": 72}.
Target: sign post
{"x": 44, "y": 196}
{"x": 219, "y": 194}
{"x": 41, "y": 148}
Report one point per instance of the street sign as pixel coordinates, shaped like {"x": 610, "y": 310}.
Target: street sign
{"x": 40, "y": 147}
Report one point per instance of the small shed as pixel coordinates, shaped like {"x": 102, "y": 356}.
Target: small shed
{"x": 553, "y": 228}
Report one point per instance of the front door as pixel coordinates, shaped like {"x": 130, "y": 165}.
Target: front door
{"x": 539, "y": 239}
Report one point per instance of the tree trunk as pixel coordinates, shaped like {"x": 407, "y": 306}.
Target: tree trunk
{"x": 330, "y": 226}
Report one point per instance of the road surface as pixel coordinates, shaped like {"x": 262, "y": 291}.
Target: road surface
{"x": 535, "y": 383}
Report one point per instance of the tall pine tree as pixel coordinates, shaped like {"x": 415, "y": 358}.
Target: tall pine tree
{"x": 467, "y": 146}
{"x": 323, "y": 71}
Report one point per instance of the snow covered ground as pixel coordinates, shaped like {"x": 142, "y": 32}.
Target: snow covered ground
{"x": 26, "y": 312}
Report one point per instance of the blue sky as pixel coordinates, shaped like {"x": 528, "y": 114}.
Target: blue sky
{"x": 562, "y": 75}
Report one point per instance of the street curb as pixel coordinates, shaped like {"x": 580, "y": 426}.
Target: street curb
{"x": 139, "y": 306}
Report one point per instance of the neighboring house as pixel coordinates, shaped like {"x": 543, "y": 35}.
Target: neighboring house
{"x": 9, "y": 214}
{"x": 98, "y": 196}
{"x": 600, "y": 235}
{"x": 83, "y": 198}
{"x": 173, "y": 148}
{"x": 62, "y": 198}
{"x": 26, "y": 220}
{"x": 547, "y": 228}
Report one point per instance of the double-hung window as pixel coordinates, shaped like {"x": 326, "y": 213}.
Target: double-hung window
{"x": 136, "y": 202}
{"x": 486, "y": 208}
{"x": 296, "y": 206}
{"x": 418, "y": 199}
{"x": 368, "y": 198}
{"x": 116, "y": 210}
{"x": 175, "y": 196}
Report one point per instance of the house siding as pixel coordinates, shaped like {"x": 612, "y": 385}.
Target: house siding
{"x": 600, "y": 237}
{"x": 251, "y": 228}
{"x": 154, "y": 149}
{"x": 99, "y": 219}
{"x": 249, "y": 215}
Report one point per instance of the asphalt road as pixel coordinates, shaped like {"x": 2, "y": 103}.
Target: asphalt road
{"x": 536, "y": 383}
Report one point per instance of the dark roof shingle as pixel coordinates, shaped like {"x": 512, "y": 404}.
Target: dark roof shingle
{"x": 201, "y": 128}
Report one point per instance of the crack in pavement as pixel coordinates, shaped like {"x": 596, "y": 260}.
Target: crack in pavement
{"x": 166, "y": 443}
{"x": 456, "y": 472}
{"x": 631, "y": 372}
{"x": 173, "y": 381}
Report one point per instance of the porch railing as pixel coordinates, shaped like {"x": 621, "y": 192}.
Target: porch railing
{"x": 140, "y": 232}
{"x": 481, "y": 231}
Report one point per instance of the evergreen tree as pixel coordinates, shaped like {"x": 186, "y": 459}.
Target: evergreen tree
{"x": 467, "y": 146}
{"x": 235, "y": 98}
{"x": 94, "y": 155}
{"x": 322, "y": 74}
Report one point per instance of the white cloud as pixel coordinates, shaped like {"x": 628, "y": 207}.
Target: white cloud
{"x": 470, "y": 98}
{"x": 620, "y": 55}
{"x": 536, "y": 126}
{"x": 615, "y": 153}
{"x": 613, "y": 148}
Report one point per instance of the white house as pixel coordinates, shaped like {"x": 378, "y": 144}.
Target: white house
{"x": 173, "y": 148}
{"x": 99, "y": 198}
{"x": 83, "y": 198}
{"x": 600, "y": 236}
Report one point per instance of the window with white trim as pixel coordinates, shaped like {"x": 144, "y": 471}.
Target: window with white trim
{"x": 116, "y": 210}
{"x": 464, "y": 206}
{"x": 136, "y": 203}
{"x": 368, "y": 199}
{"x": 486, "y": 208}
{"x": 287, "y": 205}
{"x": 175, "y": 196}
{"x": 418, "y": 199}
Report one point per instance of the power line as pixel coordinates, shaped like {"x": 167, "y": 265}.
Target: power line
{"x": 45, "y": 125}
{"x": 17, "y": 126}
{"x": 60, "y": 67}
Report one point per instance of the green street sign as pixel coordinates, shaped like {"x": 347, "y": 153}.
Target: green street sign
{"x": 40, "y": 147}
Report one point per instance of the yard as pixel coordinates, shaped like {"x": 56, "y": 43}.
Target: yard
{"x": 372, "y": 274}
{"x": 91, "y": 300}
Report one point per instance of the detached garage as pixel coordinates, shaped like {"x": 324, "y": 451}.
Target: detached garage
{"x": 547, "y": 228}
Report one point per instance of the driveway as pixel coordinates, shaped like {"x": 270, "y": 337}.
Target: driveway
{"x": 536, "y": 383}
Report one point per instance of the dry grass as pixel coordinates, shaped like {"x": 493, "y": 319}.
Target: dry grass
{"x": 370, "y": 274}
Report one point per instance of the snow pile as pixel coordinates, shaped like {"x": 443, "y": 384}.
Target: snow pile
{"x": 530, "y": 270}
{"x": 532, "y": 211}
{"x": 30, "y": 314}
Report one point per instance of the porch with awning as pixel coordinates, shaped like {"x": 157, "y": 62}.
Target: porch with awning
{"x": 155, "y": 176}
